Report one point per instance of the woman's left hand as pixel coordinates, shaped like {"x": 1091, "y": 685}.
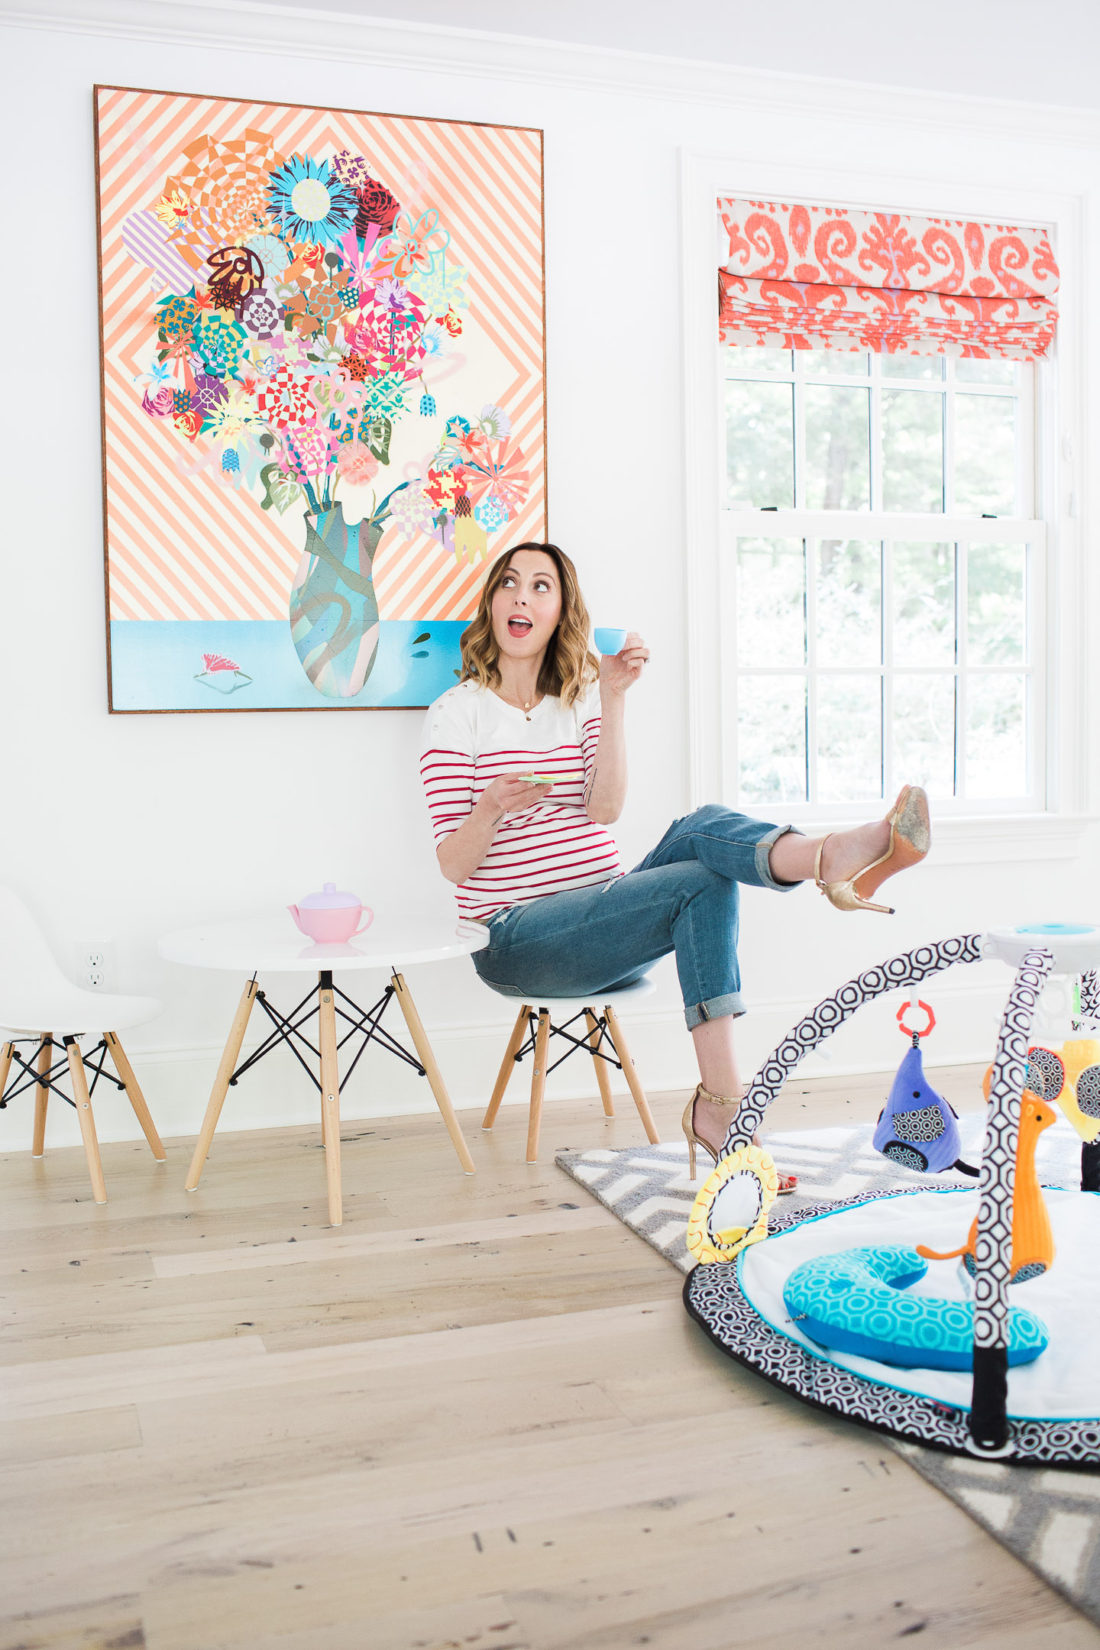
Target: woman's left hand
{"x": 621, "y": 670}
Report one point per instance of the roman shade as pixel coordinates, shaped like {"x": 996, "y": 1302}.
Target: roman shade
{"x": 831, "y": 277}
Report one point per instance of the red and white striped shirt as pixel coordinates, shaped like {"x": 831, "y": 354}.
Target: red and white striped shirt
{"x": 471, "y": 737}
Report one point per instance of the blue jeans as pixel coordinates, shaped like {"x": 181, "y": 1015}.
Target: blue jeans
{"x": 683, "y": 897}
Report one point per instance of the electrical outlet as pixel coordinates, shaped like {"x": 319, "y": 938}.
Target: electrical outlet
{"x": 93, "y": 963}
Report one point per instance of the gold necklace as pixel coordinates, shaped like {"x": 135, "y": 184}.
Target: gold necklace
{"x": 527, "y": 707}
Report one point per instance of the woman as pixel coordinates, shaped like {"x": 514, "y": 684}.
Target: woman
{"x": 524, "y": 766}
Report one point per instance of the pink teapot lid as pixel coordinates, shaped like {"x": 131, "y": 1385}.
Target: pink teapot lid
{"x": 330, "y": 898}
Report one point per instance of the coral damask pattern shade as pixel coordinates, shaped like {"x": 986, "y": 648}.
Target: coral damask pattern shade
{"x": 827, "y": 277}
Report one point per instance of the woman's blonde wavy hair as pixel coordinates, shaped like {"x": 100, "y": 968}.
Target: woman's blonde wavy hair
{"x": 568, "y": 666}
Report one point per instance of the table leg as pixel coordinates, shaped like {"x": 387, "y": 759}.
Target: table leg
{"x": 631, "y": 1075}
{"x": 435, "y": 1076}
{"x": 41, "y": 1097}
{"x": 330, "y": 1097}
{"x": 134, "y": 1094}
{"x": 85, "y": 1119}
{"x": 538, "y": 1084}
{"x": 221, "y": 1083}
{"x": 507, "y": 1065}
{"x": 602, "y": 1076}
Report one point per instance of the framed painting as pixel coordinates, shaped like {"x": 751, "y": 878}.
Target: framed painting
{"x": 324, "y": 408}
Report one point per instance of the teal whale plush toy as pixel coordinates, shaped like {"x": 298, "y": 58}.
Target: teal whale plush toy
{"x": 855, "y": 1302}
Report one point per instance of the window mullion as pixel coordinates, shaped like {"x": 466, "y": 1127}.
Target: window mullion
{"x": 1036, "y": 677}
{"x": 947, "y": 426}
{"x": 810, "y": 565}
{"x": 876, "y": 433}
{"x": 799, "y": 439}
{"x": 1027, "y": 454}
{"x": 961, "y": 682}
{"x": 886, "y": 623}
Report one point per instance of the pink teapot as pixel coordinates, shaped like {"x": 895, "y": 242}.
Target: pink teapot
{"x": 332, "y": 916}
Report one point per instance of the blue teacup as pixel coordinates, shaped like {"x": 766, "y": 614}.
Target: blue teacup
{"x": 609, "y": 641}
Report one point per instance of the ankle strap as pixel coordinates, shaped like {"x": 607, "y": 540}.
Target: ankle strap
{"x": 702, "y": 1093}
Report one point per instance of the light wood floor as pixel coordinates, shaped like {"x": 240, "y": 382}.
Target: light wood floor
{"x": 476, "y": 1415}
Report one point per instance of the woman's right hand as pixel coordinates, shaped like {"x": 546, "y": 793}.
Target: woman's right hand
{"x": 508, "y": 796}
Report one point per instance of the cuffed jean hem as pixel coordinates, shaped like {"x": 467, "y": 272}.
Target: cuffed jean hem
{"x": 763, "y": 849}
{"x": 715, "y": 1008}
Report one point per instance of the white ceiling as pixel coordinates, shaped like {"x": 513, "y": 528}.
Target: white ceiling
{"x": 1043, "y": 53}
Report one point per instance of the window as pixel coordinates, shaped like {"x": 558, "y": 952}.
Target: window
{"x": 882, "y": 579}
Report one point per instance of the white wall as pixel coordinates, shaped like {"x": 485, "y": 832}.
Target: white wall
{"x": 125, "y": 827}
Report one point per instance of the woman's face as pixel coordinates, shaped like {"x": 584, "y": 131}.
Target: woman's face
{"x": 526, "y": 605}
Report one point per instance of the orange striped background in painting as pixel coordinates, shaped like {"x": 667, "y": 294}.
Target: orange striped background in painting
{"x": 181, "y": 545}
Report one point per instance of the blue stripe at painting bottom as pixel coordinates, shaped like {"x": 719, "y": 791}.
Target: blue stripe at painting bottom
{"x": 157, "y": 664}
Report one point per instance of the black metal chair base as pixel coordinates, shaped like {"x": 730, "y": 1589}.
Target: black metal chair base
{"x": 364, "y": 1021}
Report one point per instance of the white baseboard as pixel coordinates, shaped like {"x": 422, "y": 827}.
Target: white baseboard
{"x": 277, "y": 1093}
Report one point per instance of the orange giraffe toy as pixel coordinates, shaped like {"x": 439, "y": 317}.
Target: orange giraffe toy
{"x": 1032, "y": 1239}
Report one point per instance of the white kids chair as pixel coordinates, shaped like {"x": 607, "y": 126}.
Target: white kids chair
{"x": 39, "y": 1005}
{"x": 601, "y": 1036}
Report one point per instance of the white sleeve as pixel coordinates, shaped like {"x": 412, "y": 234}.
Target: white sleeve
{"x": 589, "y": 722}
{"x": 447, "y": 762}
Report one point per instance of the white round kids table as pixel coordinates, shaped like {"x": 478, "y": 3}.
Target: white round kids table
{"x": 271, "y": 946}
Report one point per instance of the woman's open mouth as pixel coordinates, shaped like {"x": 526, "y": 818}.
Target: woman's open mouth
{"x": 519, "y": 627}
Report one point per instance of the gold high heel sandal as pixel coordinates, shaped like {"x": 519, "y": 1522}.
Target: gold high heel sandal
{"x": 910, "y": 839}
{"x": 694, "y": 1139}
{"x": 787, "y": 1182}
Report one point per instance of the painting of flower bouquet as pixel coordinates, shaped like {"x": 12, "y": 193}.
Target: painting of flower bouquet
{"x": 323, "y": 395}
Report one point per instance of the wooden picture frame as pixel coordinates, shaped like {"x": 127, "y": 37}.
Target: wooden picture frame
{"x": 323, "y": 392}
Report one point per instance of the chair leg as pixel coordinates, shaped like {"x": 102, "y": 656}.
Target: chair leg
{"x": 435, "y": 1076}
{"x": 631, "y": 1075}
{"x": 538, "y": 1085}
{"x": 134, "y": 1094}
{"x": 221, "y": 1083}
{"x": 41, "y": 1096}
{"x": 330, "y": 1102}
{"x": 85, "y": 1119}
{"x": 6, "y": 1055}
{"x": 602, "y": 1076}
{"x": 507, "y": 1066}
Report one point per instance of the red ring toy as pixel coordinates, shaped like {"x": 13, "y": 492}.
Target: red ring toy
{"x": 908, "y": 1030}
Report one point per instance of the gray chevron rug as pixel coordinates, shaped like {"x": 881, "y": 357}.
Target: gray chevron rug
{"x": 1048, "y": 1519}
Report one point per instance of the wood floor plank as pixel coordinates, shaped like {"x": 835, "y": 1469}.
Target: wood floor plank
{"x": 498, "y": 1430}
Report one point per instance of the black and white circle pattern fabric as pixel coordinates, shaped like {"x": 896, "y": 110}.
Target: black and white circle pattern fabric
{"x": 993, "y": 1245}
{"x": 714, "y": 1298}
{"x": 908, "y": 968}
{"x": 923, "y": 1123}
{"x": 907, "y": 1156}
{"x": 1088, "y": 1091}
{"x": 1046, "y": 1075}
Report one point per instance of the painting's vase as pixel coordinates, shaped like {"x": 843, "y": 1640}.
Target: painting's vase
{"x": 333, "y": 608}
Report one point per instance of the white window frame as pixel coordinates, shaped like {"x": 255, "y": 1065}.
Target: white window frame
{"x": 851, "y": 524}
{"x": 1052, "y": 828}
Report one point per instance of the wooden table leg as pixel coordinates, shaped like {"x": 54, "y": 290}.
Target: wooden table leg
{"x": 330, "y": 1097}
{"x": 631, "y": 1075}
{"x": 85, "y": 1119}
{"x": 507, "y": 1066}
{"x": 435, "y": 1076}
{"x": 538, "y": 1085}
{"x": 602, "y": 1075}
{"x": 134, "y": 1094}
{"x": 41, "y": 1095}
{"x": 221, "y": 1083}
